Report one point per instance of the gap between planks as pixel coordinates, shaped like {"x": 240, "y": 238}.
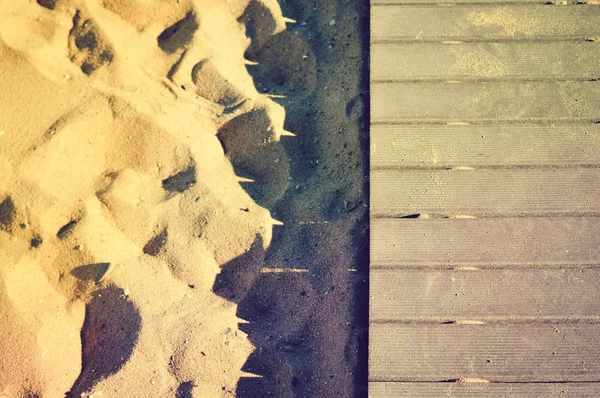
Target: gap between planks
{"x": 453, "y": 3}
{"x": 478, "y": 390}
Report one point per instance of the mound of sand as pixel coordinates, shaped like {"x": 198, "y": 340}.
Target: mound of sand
{"x": 120, "y": 127}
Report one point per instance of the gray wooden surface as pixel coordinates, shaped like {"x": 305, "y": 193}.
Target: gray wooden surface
{"x": 498, "y": 145}
{"x": 495, "y": 295}
{"x": 407, "y": 62}
{"x": 500, "y": 242}
{"x": 496, "y": 353}
{"x": 485, "y": 192}
{"x": 485, "y": 199}
{"x": 485, "y": 102}
{"x": 483, "y": 22}
{"x": 479, "y": 390}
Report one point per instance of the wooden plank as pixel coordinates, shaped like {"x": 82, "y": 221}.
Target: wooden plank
{"x": 489, "y": 101}
{"x": 487, "y": 295}
{"x": 484, "y": 22}
{"x": 476, "y": 145}
{"x": 453, "y": 2}
{"x": 504, "y": 353}
{"x": 478, "y": 390}
{"x": 485, "y": 61}
{"x": 481, "y": 192}
{"x": 485, "y": 243}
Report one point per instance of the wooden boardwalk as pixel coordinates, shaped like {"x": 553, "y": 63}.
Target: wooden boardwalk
{"x": 485, "y": 199}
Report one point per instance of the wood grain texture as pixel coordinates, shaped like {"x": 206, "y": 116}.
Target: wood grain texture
{"x": 485, "y": 243}
{"x": 504, "y": 353}
{"x": 484, "y": 22}
{"x": 484, "y": 110}
{"x": 482, "y": 193}
{"x": 453, "y": 2}
{"x": 479, "y": 390}
{"x": 474, "y": 145}
{"x": 484, "y": 102}
{"x": 485, "y": 61}
{"x": 486, "y": 295}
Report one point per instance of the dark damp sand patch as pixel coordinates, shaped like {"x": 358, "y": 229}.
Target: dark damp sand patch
{"x": 178, "y": 35}
{"x": 109, "y": 334}
{"x": 246, "y": 142}
{"x": 185, "y": 390}
{"x": 7, "y": 213}
{"x": 260, "y": 25}
{"x": 310, "y": 328}
{"x": 91, "y": 272}
{"x": 49, "y": 4}
{"x": 155, "y": 244}
{"x": 36, "y": 241}
{"x": 66, "y": 229}
{"x": 86, "y": 48}
{"x": 294, "y": 74}
{"x": 181, "y": 181}
{"x": 238, "y": 275}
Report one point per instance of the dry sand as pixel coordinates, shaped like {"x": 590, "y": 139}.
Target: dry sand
{"x": 135, "y": 252}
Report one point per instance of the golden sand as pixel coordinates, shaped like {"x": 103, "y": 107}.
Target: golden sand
{"x": 117, "y": 202}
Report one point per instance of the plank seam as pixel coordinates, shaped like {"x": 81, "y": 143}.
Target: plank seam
{"x": 495, "y": 382}
{"x": 503, "y": 320}
{"x": 569, "y": 4}
{"x": 557, "y": 123}
{"x": 458, "y": 381}
{"x": 377, "y": 167}
{"x": 508, "y": 266}
{"x": 386, "y": 270}
{"x": 481, "y": 215}
{"x": 498, "y": 40}
{"x": 458, "y": 40}
{"x": 448, "y": 82}
{"x": 446, "y": 122}
{"x": 484, "y": 80}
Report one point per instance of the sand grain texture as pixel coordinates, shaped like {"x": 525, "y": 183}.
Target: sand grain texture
{"x": 120, "y": 129}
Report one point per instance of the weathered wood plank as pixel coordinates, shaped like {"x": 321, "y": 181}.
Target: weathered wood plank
{"x": 475, "y": 145}
{"x": 478, "y": 390}
{"x": 505, "y": 353}
{"x": 543, "y": 82}
{"x": 487, "y": 295}
{"x": 453, "y": 2}
{"x": 489, "y": 101}
{"x": 481, "y": 192}
{"x": 484, "y": 22}
{"x": 498, "y": 242}
{"x": 485, "y": 61}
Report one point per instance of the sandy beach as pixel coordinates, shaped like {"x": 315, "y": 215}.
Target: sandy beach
{"x": 182, "y": 198}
